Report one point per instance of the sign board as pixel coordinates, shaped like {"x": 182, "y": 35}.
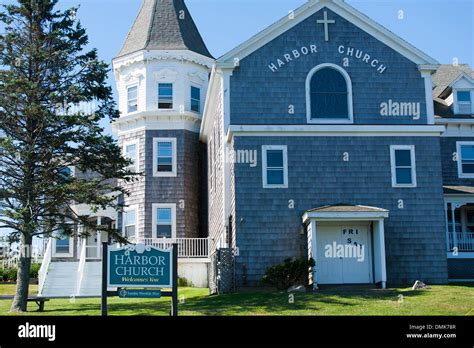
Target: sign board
{"x": 140, "y": 266}
{"x": 124, "y": 293}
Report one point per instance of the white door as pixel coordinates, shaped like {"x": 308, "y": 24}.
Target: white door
{"x": 356, "y": 269}
{"x": 328, "y": 268}
{"x": 351, "y": 267}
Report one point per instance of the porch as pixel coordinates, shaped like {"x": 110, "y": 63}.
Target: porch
{"x": 348, "y": 244}
{"x": 460, "y": 227}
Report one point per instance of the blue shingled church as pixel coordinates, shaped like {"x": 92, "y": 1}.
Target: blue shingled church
{"x": 324, "y": 136}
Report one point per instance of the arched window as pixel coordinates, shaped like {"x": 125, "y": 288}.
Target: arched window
{"x": 329, "y": 95}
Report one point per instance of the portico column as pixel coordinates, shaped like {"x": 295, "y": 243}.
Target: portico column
{"x": 379, "y": 250}
{"x": 453, "y": 223}
{"x": 313, "y": 251}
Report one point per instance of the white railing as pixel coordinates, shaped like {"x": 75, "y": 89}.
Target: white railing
{"x": 9, "y": 263}
{"x": 187, "y": 247}
{"x": 464, "y": 241}
{"x": 82, "y": 264}
{"x": 44, "y": 266}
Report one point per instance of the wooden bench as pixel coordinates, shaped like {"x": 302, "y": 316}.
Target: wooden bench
{"x": 40, "y": 301}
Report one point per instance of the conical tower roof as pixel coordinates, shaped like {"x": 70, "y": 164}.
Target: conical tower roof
{"x": 164, "y": 25}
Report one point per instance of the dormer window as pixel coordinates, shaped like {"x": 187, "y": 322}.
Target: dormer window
{"x": 464, "y": 102}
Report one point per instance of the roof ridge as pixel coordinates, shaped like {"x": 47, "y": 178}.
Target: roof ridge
{"x": 152, "y": 22}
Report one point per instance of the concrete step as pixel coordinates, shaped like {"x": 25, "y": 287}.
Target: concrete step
{"x": 61, "y": 279}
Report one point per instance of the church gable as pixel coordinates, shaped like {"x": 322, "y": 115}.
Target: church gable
{"x": 272, "y": 85}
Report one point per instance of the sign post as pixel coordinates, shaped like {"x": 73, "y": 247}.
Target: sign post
{"x": 105, "y": 246}
{"x": 174, "y": 308}
{"x": 140, "y": 266}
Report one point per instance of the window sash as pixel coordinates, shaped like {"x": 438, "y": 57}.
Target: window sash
{"x": 275, "y": 167}
{"x": 132, "y": 98}
{"x": 131, "y": 152}
{"x": 403, "y": 167}
{"x": 164, "y": 220}
{"x": 467, "y": 159}
{"x": 165, "y": 96}
{"x": 464, "y": 97}
{"x": 165, "y": 156}
{"x": 195, "y": 99}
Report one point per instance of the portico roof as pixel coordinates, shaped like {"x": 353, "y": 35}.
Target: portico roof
{"x": 458, "y": 189}
{"x": 345, "y": 212}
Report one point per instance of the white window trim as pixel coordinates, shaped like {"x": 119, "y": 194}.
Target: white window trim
{"x": 266, "y": 148}
{"x": 171, "y": 206}
{"x": 135, "y": 142}
{"x": 127, "y": 209}
{"x": 165, "y": 82}
{"x": 127, "y": 87}
{"x": 350, "y": 106}
{"x": 174, "y": 172}
{"x": 393, "y": 165}
{"x": 191, "y": 98}
{"x": 68, "y": 254}
{"x": 459, "y": 144}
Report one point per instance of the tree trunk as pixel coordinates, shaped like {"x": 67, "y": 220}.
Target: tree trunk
{"x": 20, "y": 300}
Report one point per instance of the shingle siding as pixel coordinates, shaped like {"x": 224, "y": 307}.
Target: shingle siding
{"x": 259, "y": 96}
{"x": 136, "y": 188}
{"x": 216, "y": 158}
{"x": 268, "y": 231}
{"x": 182, "y": 190}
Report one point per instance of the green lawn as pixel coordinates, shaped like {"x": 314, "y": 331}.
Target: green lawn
{"x": 439, "y": 300}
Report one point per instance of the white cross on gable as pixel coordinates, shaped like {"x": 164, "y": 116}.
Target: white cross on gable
{"x": 326, "y": 23}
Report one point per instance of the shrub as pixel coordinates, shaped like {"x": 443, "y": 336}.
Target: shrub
{"x": 290, "y": 272}
{"x": 34, "y": 270}
{"x": 184, "y": 283}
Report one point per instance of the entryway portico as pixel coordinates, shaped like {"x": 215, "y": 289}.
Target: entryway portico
{"x": 348, "y": 244}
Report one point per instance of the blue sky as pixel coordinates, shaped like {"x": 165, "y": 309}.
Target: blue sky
{"x": 442, "y": 29}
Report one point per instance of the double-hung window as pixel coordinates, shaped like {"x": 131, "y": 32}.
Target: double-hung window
{"x": 132, "y": 99}
{"x": 465, "y": 156}
{"x": 275, "y": 166}
{"x": 403, "y": 165}
{"x": 164, "y": 220}
{"x": 130, "y": 222}
{"x": 164, "y": 157}
{"x": 130, "y": 150}
{"x": 464, "y": 102}
{"x": 165, "y": 96}
{"x": 195, "y": 99}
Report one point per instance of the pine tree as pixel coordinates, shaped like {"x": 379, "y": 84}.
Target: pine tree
{"x": 45, "y": 70}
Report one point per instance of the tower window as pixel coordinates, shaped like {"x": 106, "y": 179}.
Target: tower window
{"x": 132, "y": 99}
{"x": 165, "y": 96}
{"x": 195, "y": 99}
{"x": 164, "y": 157}
{"x": 164, "y": 220}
